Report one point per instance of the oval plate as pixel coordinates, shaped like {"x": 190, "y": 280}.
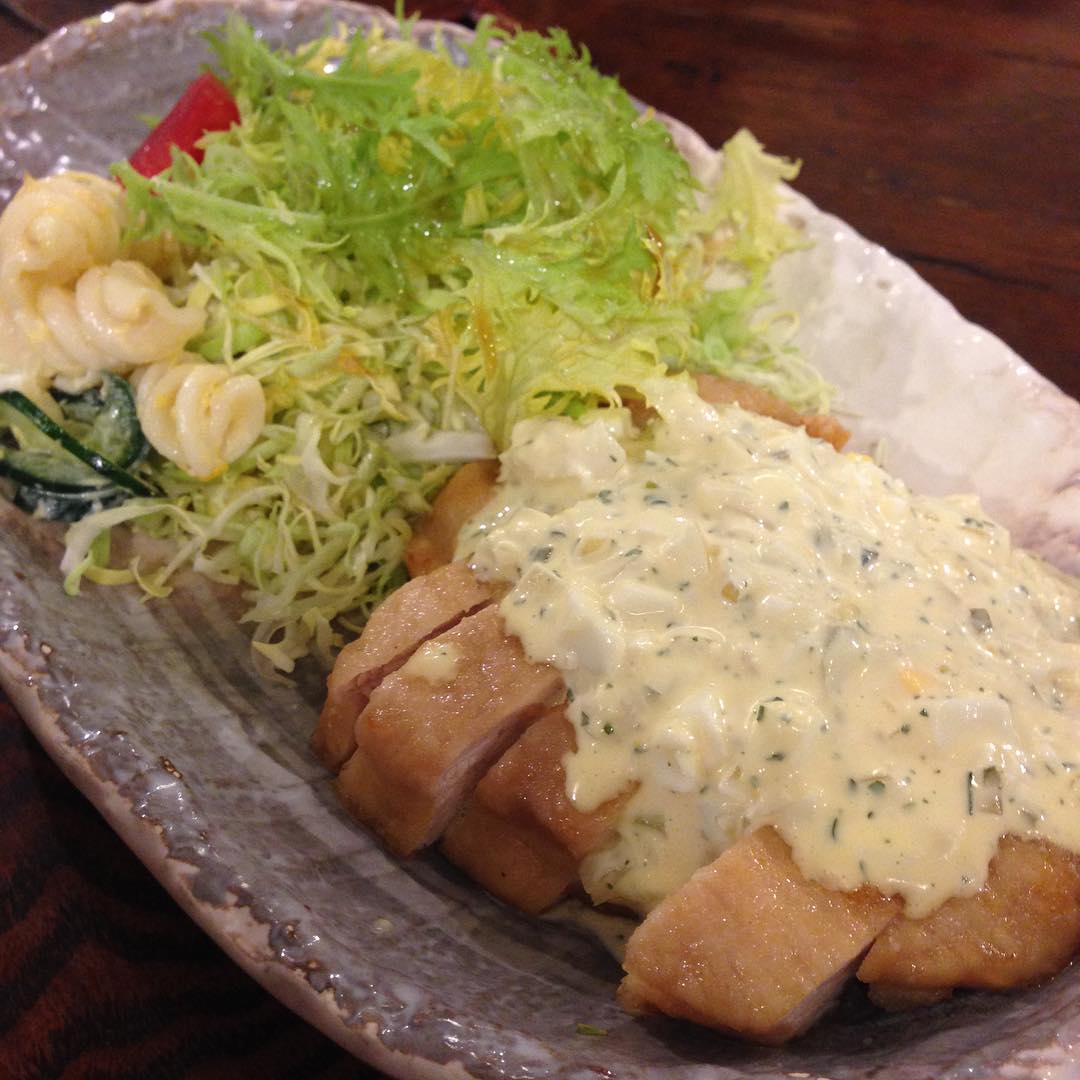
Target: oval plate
{"x": 155, "y": 711}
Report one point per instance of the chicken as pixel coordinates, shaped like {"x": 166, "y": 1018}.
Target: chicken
{"x": 419, "y": 610}
{"x": 435, "y": 535}
{"x": 519, "y": 835}
{"x": 434, "y": 726}
{"x": 749, "y": 945}
{"x": 717, "y": 390}
{"x": 1023, "y": 926}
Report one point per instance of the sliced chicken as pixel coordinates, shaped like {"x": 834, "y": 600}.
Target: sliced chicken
{"x": 435, "y": 536}
{"x": 1023, "y": 926}
{"x": 432, "y": 728}
{"x": 417, "y": 611}
{"x": 751, "y": 946}
{"x": 519, "y": 862}
{"x": 717, "y": 390}
{"x": 519, "y": 835}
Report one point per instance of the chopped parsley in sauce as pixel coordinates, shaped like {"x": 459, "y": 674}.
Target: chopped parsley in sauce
{"x": 756, "y": 629}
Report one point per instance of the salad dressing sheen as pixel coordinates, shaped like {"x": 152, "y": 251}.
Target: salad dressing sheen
{"x": 758, "y": 630}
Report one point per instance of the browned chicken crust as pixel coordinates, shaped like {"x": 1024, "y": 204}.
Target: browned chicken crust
{"x": 519, "y": 835}
{"x": 421, "y": 746}
{"x": 419, "y": 610}
{"x": 1022, "y": 927}
{"x": 751, "y": 946}
{"x": 435, "y": 536}
{"x": 717, "y": 390}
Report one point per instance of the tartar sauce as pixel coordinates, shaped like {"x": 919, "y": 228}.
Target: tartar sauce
{"x": 435, "y": 661}
{"x": 755, "y": 629}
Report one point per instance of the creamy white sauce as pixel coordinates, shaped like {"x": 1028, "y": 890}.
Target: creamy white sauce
{"x": 435, "y": 661}
{"x": 755, "y": 629}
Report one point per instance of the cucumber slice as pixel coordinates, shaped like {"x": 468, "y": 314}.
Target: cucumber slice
{"x": 107, "y": 420}
{"x": 55, "y": 505}
{"x": 81, "y": 408}
{"x": 101, "y": 465}
{"x": 16, "y": 431}
{"x": 50, "y": 469}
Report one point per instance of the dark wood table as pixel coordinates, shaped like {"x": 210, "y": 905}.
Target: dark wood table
{"x": 948, "y": 133}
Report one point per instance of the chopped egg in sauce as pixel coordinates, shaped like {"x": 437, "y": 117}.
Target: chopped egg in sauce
{"x": 755, "y": 629}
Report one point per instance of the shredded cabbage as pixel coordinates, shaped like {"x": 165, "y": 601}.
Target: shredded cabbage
{"x": 412, "y": 250}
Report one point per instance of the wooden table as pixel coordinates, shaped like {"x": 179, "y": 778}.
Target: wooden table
{"x": 947, "y": 133}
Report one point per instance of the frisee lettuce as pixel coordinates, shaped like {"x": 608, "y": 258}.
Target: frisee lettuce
{"x": 412, "y": 249}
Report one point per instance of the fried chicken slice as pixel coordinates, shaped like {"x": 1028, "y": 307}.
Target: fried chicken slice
{"x": 472, "y": 486}
{"x": 519, "y": 835}
{"x": 419, "y": 610}
{"x": 717, "y": 390}
{"x": 432, "y": 728}
{"x": 749, "y": 945}
{"x": 1021, "y": 927}
{"x": 434, "y": 538}
{"x": 416, "y": 612}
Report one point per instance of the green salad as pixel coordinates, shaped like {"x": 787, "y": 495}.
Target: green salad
{"x": 411, "y": 249}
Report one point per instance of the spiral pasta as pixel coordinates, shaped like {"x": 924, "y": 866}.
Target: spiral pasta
{"x": 117, "y": 317}
{"x": 70, "y": 307}
{"x": 54, "y": 229}
{"x": 198, "y": 414}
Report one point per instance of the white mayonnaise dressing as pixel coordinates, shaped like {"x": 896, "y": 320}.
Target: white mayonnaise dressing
{"x": 755, "y": 629}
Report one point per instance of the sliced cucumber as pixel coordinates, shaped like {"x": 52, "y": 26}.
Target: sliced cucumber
{"x": 80, "y": 407}
{"x": 17, "y": 431}
{"x": 101, "y": 465}
{"x": 53, "y": 505}
{"x": 65, "y": 472}
{"x": 107, "y": 420}
{"x": 47, "y": 468}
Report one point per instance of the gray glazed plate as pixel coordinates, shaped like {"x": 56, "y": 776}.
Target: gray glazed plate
{"x": 156, "y": 712}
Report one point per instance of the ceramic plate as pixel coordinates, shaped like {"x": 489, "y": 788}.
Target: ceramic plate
{"x": 154, "y": 710}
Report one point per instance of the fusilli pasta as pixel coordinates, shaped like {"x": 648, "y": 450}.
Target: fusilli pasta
{"x": 117, "y": 317}
{"x": 56, "y": 228}
{"x": 198, "y": 414}
{"x": 69, "y": 306}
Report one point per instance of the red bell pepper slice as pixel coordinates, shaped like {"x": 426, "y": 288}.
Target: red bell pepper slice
{"x": 206, "y": 105}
